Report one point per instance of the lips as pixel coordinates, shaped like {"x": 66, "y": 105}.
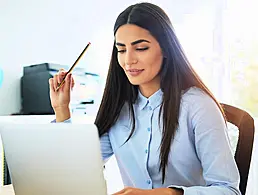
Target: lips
{"x": 135, "y": 72}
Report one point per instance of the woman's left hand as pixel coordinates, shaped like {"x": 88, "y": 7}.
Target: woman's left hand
{"x": 157, "y": 191}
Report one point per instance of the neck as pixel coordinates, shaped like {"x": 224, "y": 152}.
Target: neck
{"x": 147, "y": 91}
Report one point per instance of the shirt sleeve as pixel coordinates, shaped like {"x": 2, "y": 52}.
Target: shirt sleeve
{"x": 213, "y": 149}
{"x": 106, "y": 148}
{"x": 66, "y": 121}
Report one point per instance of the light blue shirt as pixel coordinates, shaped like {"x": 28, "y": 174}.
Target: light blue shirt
{"x": 200, "y": 162}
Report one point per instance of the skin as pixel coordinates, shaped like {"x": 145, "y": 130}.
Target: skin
{"x": 60, "y": 99}
{"x": 140, "y": 56}
{"x": 138, "y": 49}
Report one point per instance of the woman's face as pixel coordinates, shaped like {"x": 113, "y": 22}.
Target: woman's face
{"x": 140, "y": 55}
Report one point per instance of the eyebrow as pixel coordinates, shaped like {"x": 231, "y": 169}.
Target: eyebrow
{"x": 133, "y": 43}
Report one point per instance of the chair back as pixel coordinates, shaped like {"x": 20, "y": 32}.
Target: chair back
{"x": 243, "y": 155}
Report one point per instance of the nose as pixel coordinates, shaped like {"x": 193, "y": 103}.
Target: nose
{"x": 130, "y": 58}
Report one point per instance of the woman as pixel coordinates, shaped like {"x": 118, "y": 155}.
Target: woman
{"x": 164, "y": 126}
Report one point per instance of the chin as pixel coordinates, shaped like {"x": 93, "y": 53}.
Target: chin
{"x": 134, "y": 82}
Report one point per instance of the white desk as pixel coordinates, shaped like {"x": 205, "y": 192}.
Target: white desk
{"x": 6, "y": 190}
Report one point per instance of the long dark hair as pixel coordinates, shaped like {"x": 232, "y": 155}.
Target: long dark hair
{"x": 176, "y": 76}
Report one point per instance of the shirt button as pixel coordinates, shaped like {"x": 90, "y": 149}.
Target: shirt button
{"x": 148, "y": 129}
{"x": 148, "y": 181}
{"x": 150, "y": 108}
{"x": 146, "y": 151}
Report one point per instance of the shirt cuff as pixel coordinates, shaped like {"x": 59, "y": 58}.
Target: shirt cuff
{"x": 192, "y": 190}
{"x": 179, "y": 188}
{"x": 66, "y": 121}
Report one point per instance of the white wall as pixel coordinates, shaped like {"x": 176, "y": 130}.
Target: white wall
{"x": 56, "y": 31}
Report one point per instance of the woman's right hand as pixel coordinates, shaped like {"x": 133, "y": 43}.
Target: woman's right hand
{"x": 60, "y": 99}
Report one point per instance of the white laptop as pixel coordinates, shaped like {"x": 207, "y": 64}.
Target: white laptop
{"x": 54, "y": 159}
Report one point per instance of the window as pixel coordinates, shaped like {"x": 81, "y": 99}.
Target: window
{"x": 241, "y": 43}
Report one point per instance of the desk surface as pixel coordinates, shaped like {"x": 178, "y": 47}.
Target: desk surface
{"x": 6, "y": 190}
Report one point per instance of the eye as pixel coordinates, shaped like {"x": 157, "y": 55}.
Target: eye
{"x": 142, "y": 49}
{"x": 121, "y": 51}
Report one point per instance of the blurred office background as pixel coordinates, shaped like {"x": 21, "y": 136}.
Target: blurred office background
{"x": 218, "y": 36}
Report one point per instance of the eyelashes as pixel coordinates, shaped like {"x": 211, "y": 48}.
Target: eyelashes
{"x": 142, "y": 49}
{"x": 138, "y": 49}
{"x": 121, "y": 51}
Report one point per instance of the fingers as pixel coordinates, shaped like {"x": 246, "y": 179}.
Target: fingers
{"x": 58, "y": 78}
{"x": 61, "y": 75}
{"x": 61, "y": 70}
{"x": 55, "y": 81}
{"x": 68, "y": 83}
{"x": 122, "y": 191}
{"x": 51, "y": 84}
{"x": 73, "y": 83}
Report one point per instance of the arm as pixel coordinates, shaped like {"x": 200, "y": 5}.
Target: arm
{"x": 106, "y": 148}
{"x": 60, "y": 99}
{"x": 157, "y": 191}
{"x": 212, "y": 147}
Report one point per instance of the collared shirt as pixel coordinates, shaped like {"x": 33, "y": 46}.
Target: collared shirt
{"x": 200, "y": 162}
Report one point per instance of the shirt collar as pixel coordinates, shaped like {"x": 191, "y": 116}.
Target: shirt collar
{"x": 153, "y": 101}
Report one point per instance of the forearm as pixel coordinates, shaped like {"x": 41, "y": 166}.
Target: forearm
{"x": 175, "y": 191}
{"x": 156, "y": 191}
{"x": 204, "y": 190}
{"x": 167, "y": 191}
{"x": 62, "y": 114}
